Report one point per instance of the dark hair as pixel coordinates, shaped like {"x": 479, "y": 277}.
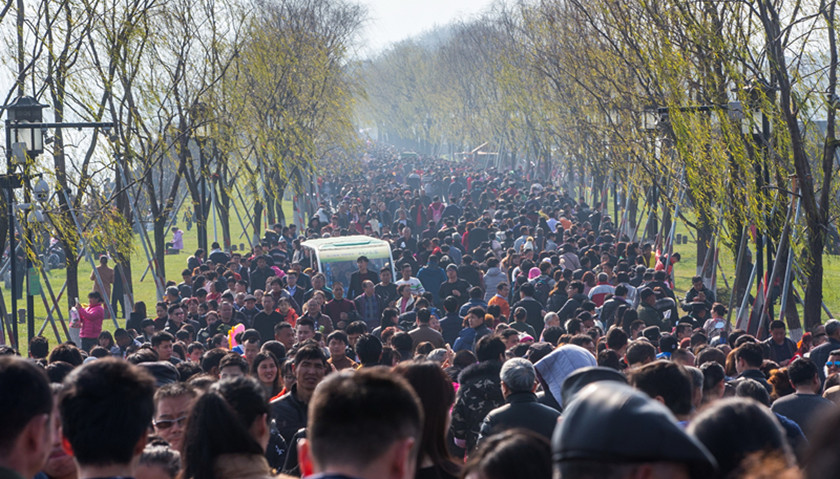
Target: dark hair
{"x": 338, "y": 335}
{"x": 552, "y": 334}
{"x": 360, "y": 327}
{"x": 751, "y": 353}
{"x": 310, "y": 351}
{"x": 234, "y": 359}
{"x": 106, "y": 408}
{"x": 713, "y": 374}
{"x": 776, "y": 324}
{"x": 354, "y": 417}
{"x": 187, "y": 369}
{"x": 733, "y": 428}
{"x": 434, "y": 388}
{"x": 710, "y": 355}
{"x": 67, "y": 353}
{"x": 513, "y": 454}
{"x": 401, "y": 341}
{"x": 162, "y": 456}
{"x": 450, "y": 304}
{"x": 477, "y": 311}
{"x": 667, "y": 380}
{"x": 24, "y": 394}
{"x": 616, "y": 338}
{"x": 750, "y": 388}
{"x": 58, "y": 370}
{"x": 161, "y": 336}
{"x": 527, "y": 289}
{"x": 276, "y": 348}
{"x": 281, "y": 326}
{"x": 802, "y": 371}
{"x": 211, "y": 358}
{"x": 99, "y": 352}
{"x": 368, "y": 349}
{"x": 489, "y": 348}
{"x": 39, "y": 347}
{"x": 609, "y": 358}
{"x": 220, "y": 423}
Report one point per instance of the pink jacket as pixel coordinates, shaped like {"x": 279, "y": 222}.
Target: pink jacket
{"x": 92, "y": 318}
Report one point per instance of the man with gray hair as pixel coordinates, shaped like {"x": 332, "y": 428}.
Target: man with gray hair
{"x": 522, "y": 410}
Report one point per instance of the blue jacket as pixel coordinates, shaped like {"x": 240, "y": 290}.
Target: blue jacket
{"x": 468, "y": 338}
{"x": 432, "y": 277}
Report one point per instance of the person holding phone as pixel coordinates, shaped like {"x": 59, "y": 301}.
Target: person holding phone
{"x": 91, "y": 318}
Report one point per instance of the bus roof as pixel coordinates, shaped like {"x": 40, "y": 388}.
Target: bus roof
{"x": 322, "y": 244}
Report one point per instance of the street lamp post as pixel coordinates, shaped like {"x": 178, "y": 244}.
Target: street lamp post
{"x": 24, "y": 140}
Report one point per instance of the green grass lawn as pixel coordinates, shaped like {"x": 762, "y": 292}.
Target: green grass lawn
{"x": 145, "y": 290}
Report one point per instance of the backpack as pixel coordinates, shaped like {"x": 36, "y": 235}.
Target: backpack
{"x": 541, "y": 290}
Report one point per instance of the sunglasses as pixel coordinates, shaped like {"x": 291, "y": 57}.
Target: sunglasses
{"x": 833, "y": 363}
{"x": 167, "y": 423}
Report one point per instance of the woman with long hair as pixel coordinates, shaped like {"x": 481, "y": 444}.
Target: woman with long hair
{"x": 267, "y": 371}
{"x": 227, "y": 432}
{"x": 436, "y": 393}
{"x": 106, "y": 340}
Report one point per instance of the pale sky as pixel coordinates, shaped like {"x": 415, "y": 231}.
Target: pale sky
{"x": 390, "y": 21}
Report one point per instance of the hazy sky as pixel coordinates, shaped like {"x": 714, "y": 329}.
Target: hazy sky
{"x": 394, "y": 20}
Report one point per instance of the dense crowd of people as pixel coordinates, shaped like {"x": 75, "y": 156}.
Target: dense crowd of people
{"x": 515, "y": 334}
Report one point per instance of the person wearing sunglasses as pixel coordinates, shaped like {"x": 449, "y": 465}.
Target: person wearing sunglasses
{"x": 832, "y": 365}
{"x": 172, "y": 407}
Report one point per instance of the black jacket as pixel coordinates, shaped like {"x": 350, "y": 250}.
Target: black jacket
{"x": 522, "y": 410}
{"x": 572, "y": 304}
{"x": 480, "y": 392}
{"x": 289, "y": 414}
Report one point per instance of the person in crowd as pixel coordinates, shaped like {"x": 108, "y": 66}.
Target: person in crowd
{"x": 819, "y": 355}
{"x": 479, "y": 393}
{"x": 437, "y": 395}
{"x": 290, "y": 410}
{"x": 158, "y": 462}
{"x": 362, "y": 425}
{"x": 228, "y": 431}
{"x": 105, "y": 440}
{"x": 26, "y": 418}
{"x": 748, "y": 360}
{"x": 338, "y": 344}
{"x": 355, "y": 288}
{"x": 515, "y": 454}
{"x": 734, "y": 429}
{"x": 423, "y": 332}
{"x": 781, "y": 348}
{"x": 522, "y": 410}
{"x": 660, "y": 447}
{"x": 91, "y": 318}
{"x": 369, "y": 305}
{"x": 475, "y": 330}
{"x": 341, "y": 310}
{"x": 266, "y": 368}
{"x": 805, "y": 405}
{"x": 172, "y": 406}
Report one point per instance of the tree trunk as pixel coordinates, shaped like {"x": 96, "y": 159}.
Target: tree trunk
{"x": 223, "y": 207}
{"x": 258, "y": 210}
{"x": 72, "y": 278}
{"x": 200, "y": 225}
{"x": 160, "y": 246}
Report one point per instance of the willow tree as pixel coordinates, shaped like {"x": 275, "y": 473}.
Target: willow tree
{"x": 296, "y": 93}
